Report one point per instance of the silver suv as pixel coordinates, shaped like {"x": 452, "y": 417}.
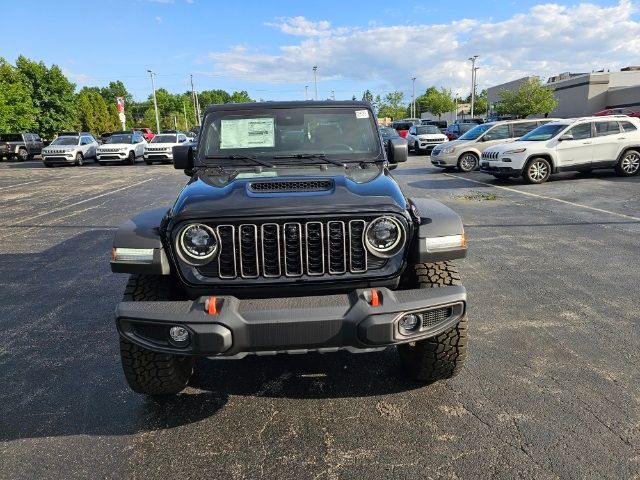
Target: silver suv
{"x": 72, "y": 148}
{"x": 465, "y": 152}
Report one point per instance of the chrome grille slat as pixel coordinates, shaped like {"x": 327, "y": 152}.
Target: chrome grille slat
{"x": 226, "y": 234}
{"x": 248, "y": 239}
{"x": 293, "y": 250}
{"x": 270, "y": 250}
{"x": 334, "y": 246}
{"x": 314, "y": 242}
{"x": 356, "y": 247}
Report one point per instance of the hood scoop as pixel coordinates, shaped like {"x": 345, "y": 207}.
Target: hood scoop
{"x": 288, "y": 186}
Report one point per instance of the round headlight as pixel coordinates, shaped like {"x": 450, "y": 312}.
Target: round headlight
{"x": 198, "y": 242}
{"x": 384, "y": 236}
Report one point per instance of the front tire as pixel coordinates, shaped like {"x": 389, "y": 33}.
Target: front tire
{"x": 79, "y": 160}
{"x": 23, "y": 155}
{"x": 149, "y": 372}
{"x": 629, "y": 164}
{"x": 442, "y": 356}
{"x": 468, "y": 162}
{"x": 537, "y": 171}
{"x": 416, "y": 147}
{"x": 132, "y": 158}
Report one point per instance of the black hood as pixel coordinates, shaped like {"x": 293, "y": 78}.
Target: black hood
{"x": 202, "y": 198}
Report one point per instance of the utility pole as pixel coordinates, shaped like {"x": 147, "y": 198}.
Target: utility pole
{"x": 155, "y": 101}
{"x": 184, "y": 110}
{"x": 306, "y": 92}
{"x": 315, "y": 79}
{"x": 196, "y": 103}
{"x": 175, "y": 122}
{"x": 413, "y": 98}
{"x": 333, "y": 94}
{"x": 473, "y": 82}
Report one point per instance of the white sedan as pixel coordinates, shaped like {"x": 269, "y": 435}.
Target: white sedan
{"x": 160, "y": 148}
{"x": 122, "y": 147}
{"x": 425, "y": 137}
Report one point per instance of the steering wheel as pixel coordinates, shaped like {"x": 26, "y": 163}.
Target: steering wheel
{"x": 338, "y": 146}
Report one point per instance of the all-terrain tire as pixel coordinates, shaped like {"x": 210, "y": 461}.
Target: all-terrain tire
{"x": 23, "y": 155}
{"x": 442, "y": 356}
{"x": 146, "y": 371}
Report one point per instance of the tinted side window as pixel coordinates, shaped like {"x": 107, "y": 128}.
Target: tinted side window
{"x": 28, "y": 137}
{"x": 607, "y": 128}
{"x": 36, "y": 137}
{"x": 580, "y": 132}
{"x": 520, "y": 129}
{"x": 628, "y": 126}
{"x": 500, "y": 132}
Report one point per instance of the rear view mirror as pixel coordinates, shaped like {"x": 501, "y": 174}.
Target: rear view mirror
{"x": 183, "y": 158}
{"x": 567, "y": 136}
{"x": 397, "y": 150}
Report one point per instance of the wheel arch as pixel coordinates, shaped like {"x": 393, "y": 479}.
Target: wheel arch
{"x": 546, "y": 156}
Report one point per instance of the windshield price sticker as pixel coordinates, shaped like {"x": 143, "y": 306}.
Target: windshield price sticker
{"x": 247, "y": 133}
{"x": 362, "y": 113}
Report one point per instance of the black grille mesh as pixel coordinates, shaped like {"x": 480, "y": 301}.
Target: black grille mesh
{"x": 433, "y": 317}
{"x": 292, "y": 186}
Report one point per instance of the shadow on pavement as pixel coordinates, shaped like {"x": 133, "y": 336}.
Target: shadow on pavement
{"x": 60, "y": 367}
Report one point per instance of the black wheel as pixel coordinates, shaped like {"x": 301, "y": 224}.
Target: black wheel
{"x": 501, "y": 176}
{"x": 629, "y": 164}
{"x": 79, "y": 159}
{"x": 537, "y": 171}
{"x": 468, "y": 162}
{"x": 149, "y": 372}
{"x": 442, "y": 356}
{"x": 23, "y": 156}
{"x": 132, "y": 158}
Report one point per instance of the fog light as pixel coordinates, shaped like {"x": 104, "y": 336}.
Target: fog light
{"x": 179, "y": 334}
{"x": 409, "y": 322}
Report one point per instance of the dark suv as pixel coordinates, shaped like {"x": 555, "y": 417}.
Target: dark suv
{"x": 22, "y": 146}
{"x": 290, "y": 236}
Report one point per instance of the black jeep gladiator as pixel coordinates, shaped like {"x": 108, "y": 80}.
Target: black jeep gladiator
{"x": 290, "y": 236}
{"x": 22, "y": 146}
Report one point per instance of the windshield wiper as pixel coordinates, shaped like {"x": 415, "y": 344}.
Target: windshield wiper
{"x": 253, "y": 158}
{"x": 321, "y": 156}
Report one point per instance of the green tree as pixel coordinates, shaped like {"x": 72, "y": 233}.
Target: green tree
{"x": 435, "y": 101}
{"x": 392, "y": 105}
{"x": 17, "y": 112}
{"x": 530, "y": 98}
{"x": 93, "y": 113}
{"x": 367, "y": 96}
{"x": 240, "y": 97}
{"x": 53, "y": 97}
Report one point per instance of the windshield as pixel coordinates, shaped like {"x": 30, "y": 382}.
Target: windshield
{"x": 165, "y": 139}
{"x": 388, "y": 132}
{"x": 119, "y": 139}
{"x": 10, "y": 137}
{"x": 65, "y": 141}
{"x": 427, "y": 130}
{"x": 344, "y": 133}
{"x": 542, "y": 133}
{"x": 475, "y": 132}
{"x": 402, "y": 125}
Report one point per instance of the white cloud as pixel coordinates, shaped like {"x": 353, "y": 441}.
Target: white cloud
{"x": 158, "y": 19}
{"x": 545, "y": 40}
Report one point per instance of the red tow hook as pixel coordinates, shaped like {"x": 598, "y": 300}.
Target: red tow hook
{"x": 210, "y": 306}
{"x": 375, "y": 298}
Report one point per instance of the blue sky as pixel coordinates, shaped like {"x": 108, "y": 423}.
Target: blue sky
{"x": 269, "y": 47}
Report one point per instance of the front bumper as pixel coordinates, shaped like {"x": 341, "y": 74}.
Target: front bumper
{"x": 158, "y": 156}
{"x": 58, "y": 158}
{"x": 499, "y": 168}
{"x": 293, "y": 325}
{"x": 444, "y": 159}
{"x": 112, "y": 156}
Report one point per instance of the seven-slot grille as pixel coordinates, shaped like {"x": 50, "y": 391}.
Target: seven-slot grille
{"x": 109, "y": 150}
{"x": 490, "y": 155}
{"x": 158, "y": 149}
{"x": 290, "y": 249}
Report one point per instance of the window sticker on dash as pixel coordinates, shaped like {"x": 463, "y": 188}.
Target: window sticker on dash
{"x": 362, "y": 113}
{"x": 247, "y": 133}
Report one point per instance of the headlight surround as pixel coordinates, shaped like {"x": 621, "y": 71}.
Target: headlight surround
{"x": 198, "y": 244}
{"x": 448, "y": 150}
{"x": 384, "y": 236}
{"x": 515, "y": 150}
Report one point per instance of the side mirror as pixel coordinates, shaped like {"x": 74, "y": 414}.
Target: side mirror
{"x": 566, "y": 136}
{"x": 183, "y": 158}
{"x": 487, "y": 138}
{"x": 397, "y": 150}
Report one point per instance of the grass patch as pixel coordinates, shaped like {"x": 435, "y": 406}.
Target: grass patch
{"x": 477, "y": 197}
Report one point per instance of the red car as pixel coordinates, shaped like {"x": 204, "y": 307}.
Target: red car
{"x": 146, "y": 133}
{"x": 618, "y": 111}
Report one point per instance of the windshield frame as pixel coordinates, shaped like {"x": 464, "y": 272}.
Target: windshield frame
{"x": 174, "y": 137}
{"x": 267, "y": 153}
{"x": 435, "y": 130}
{"x": 67, "y": 138}
{"x": 481, "y": 130}
{"x": 527, "y": 136}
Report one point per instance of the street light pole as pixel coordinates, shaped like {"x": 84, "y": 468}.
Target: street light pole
{"x": 184, "y": 110}
{"x": 196, "y": 103}
{"x": 413, "y": 98}
{"x": 315, "y": 79}
{"x": 306, "y": 92}
{"x": 155, "y": 101}
{"x": 473, "y": 82}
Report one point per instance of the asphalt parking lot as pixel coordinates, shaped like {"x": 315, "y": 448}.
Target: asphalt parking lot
{"x": 550, "y": 389}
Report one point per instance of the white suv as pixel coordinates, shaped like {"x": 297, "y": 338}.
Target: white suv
{"x": 574, "y": 144}
{"x": 160, "y": 148}
{"x": 123, "y": 147}
{"x": 71, "y": 148}
{"x": 425, "y": 137}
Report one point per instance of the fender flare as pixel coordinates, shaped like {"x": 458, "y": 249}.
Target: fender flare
{"x": 142, "y": 232}
{"x": 436, "y": 221}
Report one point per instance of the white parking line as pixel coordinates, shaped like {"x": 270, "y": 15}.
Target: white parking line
{"x": 81, "y": 202}
{"x": 587, "y": 207}
{"x": 21, "y": 184}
